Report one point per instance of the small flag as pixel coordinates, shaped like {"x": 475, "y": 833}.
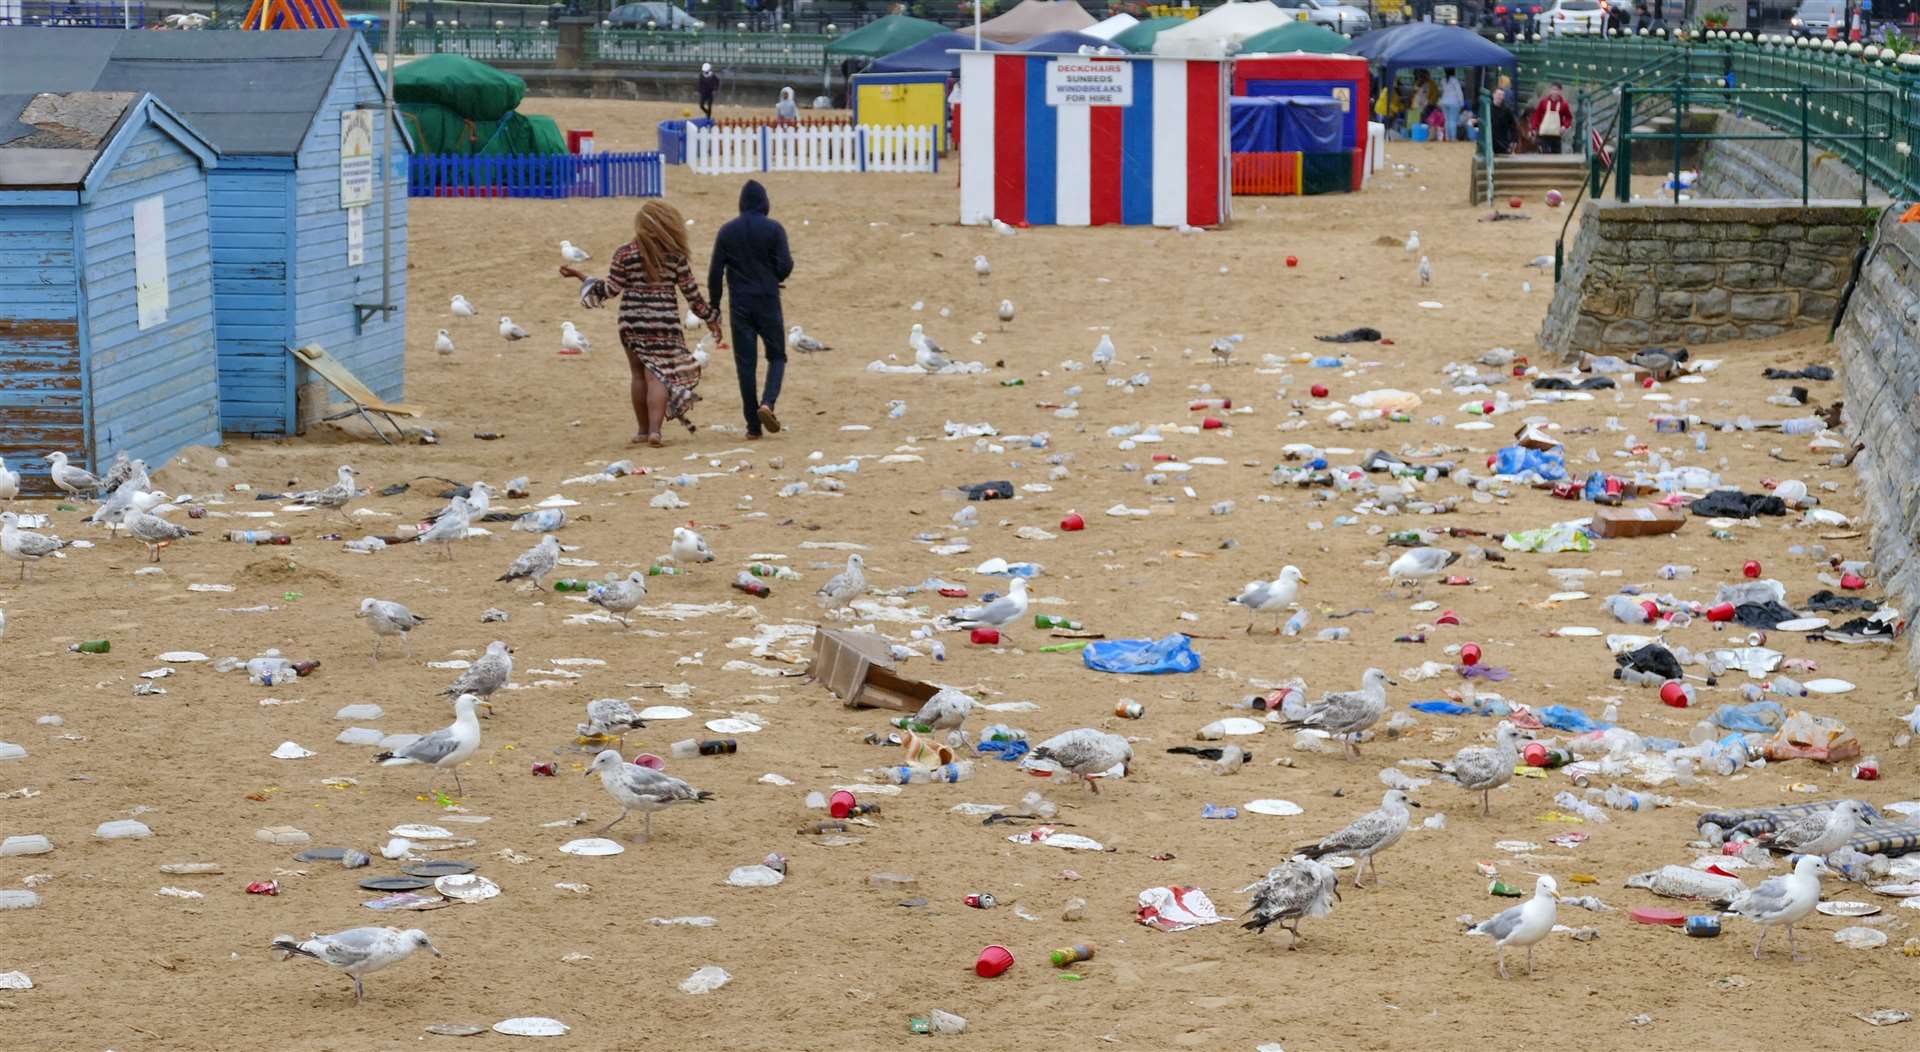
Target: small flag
{"x": 1601, "y": 149}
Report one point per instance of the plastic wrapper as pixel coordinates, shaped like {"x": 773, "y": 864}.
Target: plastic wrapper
{"x": 1805, "y": 736}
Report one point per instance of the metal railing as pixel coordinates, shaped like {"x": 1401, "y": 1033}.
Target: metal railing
{"x": 1870, "y": 110}
{"x": 658, "y": 49}
{"x": 86, "y": 15}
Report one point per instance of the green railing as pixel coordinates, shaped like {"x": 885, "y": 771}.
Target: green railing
{"x": 658, "y": 49}
{"x": 1794, "y": 108}
{"x": 486, "y": 45}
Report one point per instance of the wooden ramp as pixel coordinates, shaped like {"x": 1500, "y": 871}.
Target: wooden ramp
{"x": 365, "y": 402}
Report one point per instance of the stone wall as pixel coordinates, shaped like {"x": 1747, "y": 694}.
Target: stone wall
{"x": 1701, "y": 272}
{"x": 1879, "y": 342}
{"x": 1750, "y": 169}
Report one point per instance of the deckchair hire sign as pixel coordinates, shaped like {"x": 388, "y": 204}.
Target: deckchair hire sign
{"x": 1079, "y": 82}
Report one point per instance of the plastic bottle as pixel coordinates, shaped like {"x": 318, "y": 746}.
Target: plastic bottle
{"x": 1054, "y": 621}
{"x": 91, "y": 646}
{"x": 1231, "y": 758}
{"x": 752, "y": 585}
{"x": 1786, "y": 687}
{"x": 1566, "y": 801}
{"x": 939, "y": 650}
{"x": 270, "y": 669}
{"x": 1066, "y": 955}
{"x": 1633, "y": 677}
{"x": 1297, "y": 622}
{"x": 1328, "y": 363}
{"x": 570, "y": 584}
{"x": 711, "y": 747}
{"x": 258, "y": 537}
{"x": 657, "y": 570}
{"x": 1802, "y": 425}
{"x": 1213, "y": 731}
{"x": 1676, "y": 572}
{"x": 1335, "y": 635}
{"x": 1625, "y": 799}
{"x": 958, "y": 771}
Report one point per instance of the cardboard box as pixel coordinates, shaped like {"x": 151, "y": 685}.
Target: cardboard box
{"x": 1644, "y": 521}
{"x": 858, "y": 667}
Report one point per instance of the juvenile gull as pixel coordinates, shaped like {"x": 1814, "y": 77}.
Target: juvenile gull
{"x": 1368, "y": 835}
{"x": 152, "y": 530}
{"x": 1294, "y": 889}
{"x": 1782, "y": 900}
{"x": 1000, "y": 613}
{"x": 335, "y": 496}
{"x": 1822, "y": 832}
{"x": 844, "y": 588}
{"x": 1349, "y": 712}
{"x": 131, "y": 493}
{"x": 946, "y": 710}
{"x": 642, "y": 789}
{"x": 609, "y": 716}
{"x": 451, "y": 525}
{"x": 443, "y": 344}
{"x": 1481, "y": 769}
{"x": 488, "y": 674}
{"x": 1275, "y": 595}
{"x": 619, "y": 598}
{"x": 70, "y": 479}
{"x": 1417, "y": 564}
{"x": 388, "y": 618}
{"x": 689, "y": 547}
{"x": 1087, "y": 753}
{"x": 534, "y": 563}
{"x": 356, "y": 951}
{"x": 448, "y": 747}
{"x": 25, "y": 546}
{"x": 1522, "y": 925}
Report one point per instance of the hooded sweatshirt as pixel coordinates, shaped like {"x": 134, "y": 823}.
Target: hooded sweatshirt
{"x": 751, "y": 250}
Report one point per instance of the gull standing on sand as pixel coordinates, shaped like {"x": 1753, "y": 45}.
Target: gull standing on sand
{"x": 998, "y": 614}
{"x": 335, "y": 496}
{"x": 927, "y": 354}
{"x": 800, "y": 341}
{"x": 572, "y": 339}
{"x": 356, "y": 951}
{"x": 1425, "y": 271}
{"x": 388, "y": 618}
{"x": 1523, "y": 925}
{"x": 982, "y": 267}
{"x": 1223, "y": 347}
{"x": 534, "y": 563}
{"x": 1087, "y": 752}
{"x": 153, "y": 531}
{"x": 1292, "y": 890}
{"x": 25, "y": 546}
{"x": 845, "y": 587}
{"x": 607, "y": 715}
{"x": 1417, "y": 564}
{"x": 619, "y": 598}
{"x": 493, "y": 670}
{"x": 689, "y": 547}
{"x": 1103, "y": 352}
{"x": 1782, "y": 900}
{"x": 1368, "y": 835}
{"x": 451, "y": 524}
{"x": 479, "y": 498}
{"x": 461, "y": 308}
{"x": 509, "y": 331}
{"x": 1005, "y": 313}
{"x": 443, "y": 344}
{"x": 9, "y": 482}
{"x": 1275, "y": 595}
{"x": 1347, "y": 713}
{"x": 444, "y": 749}
{"x": 642, "y": 789}
{"x": 128, "y": 494}
{"x": 70, "y": 479}
{"x": 1480, "y": 769}
{"x": 1822, "y": 832}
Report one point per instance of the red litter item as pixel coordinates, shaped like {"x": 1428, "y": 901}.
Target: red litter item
{"x": 1535, "y": 754}
{"x": 1318, "y": 390}
{"x": 1514, "y": 202}
{"x": 1867, "y": 770}
{"x": 1073, "y": 523}
{"x": 1566, "y": 491}
{"x": 546, "y": 770}
{"x": 1212, "y": 423}
{"x": 1199, "y": 404}
{"x": 1648, "y": 384}
{"x": 1162, "y": 458}
{"x": 1653, "y": 610}
{"x": 1458, "y": 580}
{"x": 961, "y": 593}
{"x": 1852, "y": 581}
{"x": 1750, "y": 569}
{"x": 986, "y": 636}
{"x": 1486, "y": 408}
{"x": 1718, "y": 872}
{"x": 1293, "y": 261}
{"x": 1721, "y": 612}
{"x": 841, "y": 803}
{"x": 1656, "y": 915}
{"x": 993, "y": 961}
{"x": 1470, "y": 654}
{"x": 649, "y": 761}
{"x": 1447, "y": 617}
{"x": 264, "y": 887}
{"x": 1673, "y": 694}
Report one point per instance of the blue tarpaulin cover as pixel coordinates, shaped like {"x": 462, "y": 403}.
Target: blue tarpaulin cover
{"x": 1288, "y": 123}
{"x": 1141, "y": 656}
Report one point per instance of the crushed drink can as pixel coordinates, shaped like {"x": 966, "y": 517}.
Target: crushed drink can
{"x": 981, "y": 900}
{"x": 264, "y": 887}
{"x": 546, "y": 770}
{"x": 1132, "y": 710}
{"x": 1867, "y": 770}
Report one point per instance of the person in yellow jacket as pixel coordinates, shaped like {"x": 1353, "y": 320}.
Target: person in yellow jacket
{"x": 1390, "y": 103}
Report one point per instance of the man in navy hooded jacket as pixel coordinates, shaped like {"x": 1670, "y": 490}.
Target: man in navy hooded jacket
{"x": 751, "y": 252}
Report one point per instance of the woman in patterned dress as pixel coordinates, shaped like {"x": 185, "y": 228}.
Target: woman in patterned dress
{"x": 643, "y": 274}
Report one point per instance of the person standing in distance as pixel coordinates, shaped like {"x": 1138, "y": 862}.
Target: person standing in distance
{"x": 709, "y": 87}
{"x": 751, "y": 252}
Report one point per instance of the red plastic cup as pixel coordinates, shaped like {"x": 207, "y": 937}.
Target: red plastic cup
{"x": 961, "y": 593}
{"x": 841, "y": 803}
{"x": 1647, "y": 383}
{"x": 1319, "y": 390}
{"x": 1673, "y": 694}
{"x": 1751, "y": 569}
{"x": 1470, "y": 654}
{"x": 1073, "y": 523}
{"x": 1535, "y": 754}
{"x": 1447, "y": 617}
{"x": 1722, "y": 612}
{"x": 1293, "y": 261}
{"x": 1486, "y": 408}
{"x": 649, "y": 761}
{"x": 1212, "y": 423}
{"x": 1653, "y": 610}
{"x": 1852, "y": 581}
{"x": 986, "y": 636}
{"x": 993, "y": 960}
{"x": 1514, "y": 202}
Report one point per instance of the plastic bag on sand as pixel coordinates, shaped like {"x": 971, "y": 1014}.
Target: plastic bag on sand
{"x": 755, "y": 876}
{"x": 1561, "y": 717}
{"x": 1387, "y": 400}
{"x": 1679, "y": 882}
{"x": 1176, "y": 909}
{"x": 1759, "y": 716}
{"x": 1805, "y": 736}
{"x": 706, "y": 980}
{"x": 1175, "y": 653}
{"x": 1561, "y": 538}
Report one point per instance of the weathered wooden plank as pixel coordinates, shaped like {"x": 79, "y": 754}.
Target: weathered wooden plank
{"x": 62, "y": 330}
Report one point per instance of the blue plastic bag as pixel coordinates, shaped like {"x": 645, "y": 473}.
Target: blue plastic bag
{"x": 1761, "y": 716}
{"x": 1563, "y": 718}
{"x": 1441, "y": 708}
{"x": 1549, "y": 464}
{"x": 1141, "y": 656}
{"x": 1006, "y": 750}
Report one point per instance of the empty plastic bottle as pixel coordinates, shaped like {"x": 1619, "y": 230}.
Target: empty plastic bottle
{"x": 958, "y": 771}
{"x": 1786, "y": 687}
{"x": 1295, "y": 623}
{"x": 1676, "y": 571}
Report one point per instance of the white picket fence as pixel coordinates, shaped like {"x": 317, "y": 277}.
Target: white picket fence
{"x": 828, "y": 148}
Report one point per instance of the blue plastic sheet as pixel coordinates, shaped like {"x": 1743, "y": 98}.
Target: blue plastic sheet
{"x": 1442, "y": 708}
{"x": 1549, "y": 464}
{"x": 1310, "y": 124}
{"x": 1256, "y": 124}
{"x": 1142, "y": 656}
{"x": 1762, "y": 716}
{"x": 1564, "y": 718}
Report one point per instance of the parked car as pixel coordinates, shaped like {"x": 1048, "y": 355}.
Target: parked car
{"x": 1815, "y": 17}
{"x": 656, "y": 15}
{"x": 1341, "y": 18}
{"x": 1574, "y": 18}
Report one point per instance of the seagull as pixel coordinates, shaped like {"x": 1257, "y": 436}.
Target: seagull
{"x": 1349, "y": 712}
{"x": 1822, "y": 832}
{"x": 448, "y": 747}
{"x": 689, "y": 547}
{"x": 1426, "y": 271}
{"x": 1522, "y": 925}
{"x": 25, "y": 546}
{"x": 1480, "y": 769}
{"x": 619, "y": 597}
{"x": 335, "y": 496}
{"x": 1540, "y": 262}
{"x": 443, "y": 344}
{"x": 571, "y": 339}
{"x": 534, "y": 563}
{"x": 1413, "y": 241}
{"x": 119, "y": 472}
{"x": 1275, "y": 595}
{"x": 1003, "y": 228}
{"x": 357, "y": 951}
{"x": 1368, "y": 835}
{"x": 9, "y": 482}
{"x": 998, "y": 614}
{"x": 609, "y": 714}
{"x": 152, "y": 530}
{"x": 388, "y": 618}
{"x": 982, "y": 267}
{"x": 70, "y": 479}
{"x": 1223, "y": 347}
{"x": 461, "y": 308}
{"x": 1782, "y": 900}
{"x": 449, "y": 525}
{"x": 1294, "y": 889}
{"x": 1086, "y": 752}
{"x": 486, "y": 675}
{"x": 479, "y": 498}
{"x": 1005, "y": 313}
{"x": 572, "y": 254}
{"x": 803, "y": 343}
{"x": 946, "y": 710}
{"x": 642, "y": 789}
{"x": 845, "y": 587}
{"x": 129, "y": 494}
{"x": 509, "y": 331}
{"x": 1419, "y": 563}
{"x": 1103, "y": 352}
{"x": 926, "y": 353}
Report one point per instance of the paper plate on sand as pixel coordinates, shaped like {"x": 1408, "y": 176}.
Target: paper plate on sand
{"x": 1580, "y": 631}
{"x": 1565, "y": 597}
{"x": 1828, "y": 686}
{"x": 531, "y": 1026}
{"x": 1474, "y": 425}
{"x": 1241, "y": 725}
{"x": 732, "y": 726}
{"x": 414, "y": 831}
{"x": 1802, "y": 624}
{"x": 454, "y": 1030}
{"x": 182, "y": 657}
{"x": 664, "y": 712}
{"x": 593, "y": 845}
{"x": 1338, "y": 861}
{"x": 467, "y": 887}
{"x": 1431, "y": 305}
{"x": 1273, "y": 807}
{"x": 1898, "y": 891}
{"x": 1848, "y": 908}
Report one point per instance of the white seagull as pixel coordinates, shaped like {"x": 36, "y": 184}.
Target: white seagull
{"x": 1480, "y": 769}
{"x": 25, "y": 546}
{"x": 388, "y": 618}
{"x": 573, "y": 339}
{"x": 534, "y": 563}
{"x": 443, "y": 344}
{"x": 1417, "y": 564}
{"x": 689, "y": 547}
{"x": 800, "y": 341}
{"x": 70, "y": 479}
{"x": 1822, "y": 832}
{"x": 845, "y": 587}
{"x": 619, "y": 598}
{"x": 9, "y": 482}
{"x": 1000, "y": 613}
{"x": 1260, "y": 597}
{"x": 446, "y": 748}
{"x": 357, "y": 951}
{"x": 152, "y": 530}
{"x": 1223, "y": 347}
{"x": 449, "y": 525}
{"x": 1426, "y": 271}
{"x": 1005, "y": 312}
{"x": 1368, "y": 835}
{"x": 982, "y": 267}
{"x": 642, "y": 789}
{"x": 572, "y": 253}
{"x": 1292, "y": 890}
{"x": 1413, "y": 241}
{"x": 1349, "y": 712}
{"x": 927, "y": 354}
{"x": 509, "y": 331}
{"x": 1087, "y": 752}
{"x": 1103, "y": 352}
{"x": 461, "y": 308}
{"x": 1522, "y": 925}
{"x": 1782, "y": 900}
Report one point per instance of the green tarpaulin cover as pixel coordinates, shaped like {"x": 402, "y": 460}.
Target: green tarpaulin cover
{"x": 885, "y": 36}
{"x": 474, "y": 90}
{"x": 1295, "y": 36}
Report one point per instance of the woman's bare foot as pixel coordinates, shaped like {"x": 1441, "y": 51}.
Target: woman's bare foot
{"x": 655, "y": 441}
{"x": 638, "y": 439}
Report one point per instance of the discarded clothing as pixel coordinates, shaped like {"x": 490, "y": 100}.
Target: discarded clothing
{"x": 1652, "y": 658}
{"x": 1733, "y": 504}
{"x": 1591, "y": 383}
{"x": 1762, "y": 615}
{"x": 1359, "y": 335}
{"x": 1833, "y": 602}
{"x": 1811, "y": 372}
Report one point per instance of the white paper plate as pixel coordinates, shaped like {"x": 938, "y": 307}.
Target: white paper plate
{"x": 1242, "y": 725}
{"x": 1848, "y": 908}
{"x": 1424, "y": 605}
{"x": 1474, "y": 425}
{"x": 1274, "y": 807}
{"x": 531, "y": 1026}
{"x": 732, "y": 726}
{"x": 1431, "y": 305}
{"x": 1828, "y": 686}
{"x": 1897, "y": 891}
{"x": 415, "y": 831}
{"x": 1576, "y": 631}
{"x": 1802, "y": 624}
{"x": 664, "y": 712}
{"x": 291, "y": 751}
{"x": 1338, "y": 861}
{"x": 183, "y": 656}
{"x": 1565, "y": 597}
{"x": 1516, "y": 847}
{"x": 593, "y": 845}
{"x": 466, "y": 887}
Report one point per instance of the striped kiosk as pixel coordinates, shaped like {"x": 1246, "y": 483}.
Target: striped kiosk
{"x": 1076, "y": 140}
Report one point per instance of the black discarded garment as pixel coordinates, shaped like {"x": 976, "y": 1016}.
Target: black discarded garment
{"x": 1733, "y": 504}
{"x": 1652, "y": 658}
{"x": 1360, "y": 335}
{"x": 1762, "y": 615}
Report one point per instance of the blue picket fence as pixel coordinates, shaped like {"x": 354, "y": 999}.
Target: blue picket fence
{"x": 537, "y": 175}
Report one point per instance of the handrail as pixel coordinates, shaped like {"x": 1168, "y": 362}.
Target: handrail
{"x": 1486, "y": 139}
